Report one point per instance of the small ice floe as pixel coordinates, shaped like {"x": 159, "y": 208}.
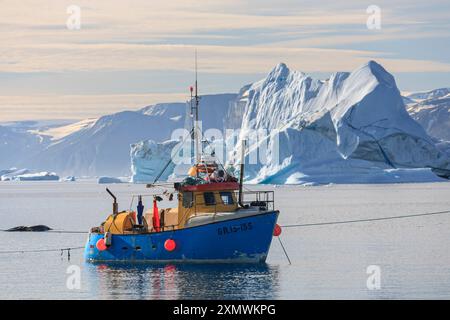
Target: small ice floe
{"x": 107, "y": 180}
{"x": 69, "y": 179}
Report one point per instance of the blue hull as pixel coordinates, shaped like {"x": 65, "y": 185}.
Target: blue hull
{"x": 245, "y": 240}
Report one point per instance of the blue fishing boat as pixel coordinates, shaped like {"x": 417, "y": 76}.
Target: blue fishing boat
{"x": 214, "y": 220}
{"x": 210, "y": 224}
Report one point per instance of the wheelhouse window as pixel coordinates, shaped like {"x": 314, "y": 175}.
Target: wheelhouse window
{"x": 188, "y": 199}
{"x": 227, "y": 198}
{"x": 209, "y": 198}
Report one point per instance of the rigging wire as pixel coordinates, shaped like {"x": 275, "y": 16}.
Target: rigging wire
{"x": 170, "y": 160}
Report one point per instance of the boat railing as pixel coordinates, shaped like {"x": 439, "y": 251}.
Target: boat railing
{"x": 264, "y": 200}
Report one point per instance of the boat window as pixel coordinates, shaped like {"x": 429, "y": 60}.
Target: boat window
{"x": 188, "y": 199}
{"x": 209, "y": 198}
{"x": 227, "y": 198}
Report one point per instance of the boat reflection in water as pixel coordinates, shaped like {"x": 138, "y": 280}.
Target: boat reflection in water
{"x": 184, "y": 281}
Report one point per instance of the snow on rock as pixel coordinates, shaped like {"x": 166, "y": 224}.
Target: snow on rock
{"x": 434, "y": 115}
{"x": 101, "y": 147}
{"x": 109, "y": 180}
{"x": 427, "y": 95}
{"x": 17, "y": 145}
{"x": 149, "y": 158}
{"x": 347, "y": 127}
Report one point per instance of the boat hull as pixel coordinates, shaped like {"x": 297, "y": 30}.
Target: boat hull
{"x": 240, "y": 240}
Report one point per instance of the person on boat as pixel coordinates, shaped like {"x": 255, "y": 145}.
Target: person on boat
{"x": 218, "y": 176}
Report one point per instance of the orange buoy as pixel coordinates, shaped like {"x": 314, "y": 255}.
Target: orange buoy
{"x": 170, "y": 245}
{"x": 277, "y": 230}
{"x": 101, "y": 245}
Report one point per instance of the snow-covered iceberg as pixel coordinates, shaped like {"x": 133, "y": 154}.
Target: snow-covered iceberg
{"x": 14, "y": 174}
{"x": 10, "y": 174}
{"x": 40, "y": 176}
{"x": 349, "y": 128}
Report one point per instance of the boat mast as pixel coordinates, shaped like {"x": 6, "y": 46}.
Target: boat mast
{"x": 192, "y": 118}
{"x": 196, "y": 126}
{"x": 241, "y": 173}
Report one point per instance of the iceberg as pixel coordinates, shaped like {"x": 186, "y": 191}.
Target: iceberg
{"x": 69, "y": 179}
{"x": 149, "y": 158}
{"x": 40, "y": 176}
{"x": 350, "y": 128}
{"x": 108, "y": 180}
{"x": 8, "y": 175}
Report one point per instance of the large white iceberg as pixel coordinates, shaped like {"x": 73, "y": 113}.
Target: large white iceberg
{"x": 351, "y": 127}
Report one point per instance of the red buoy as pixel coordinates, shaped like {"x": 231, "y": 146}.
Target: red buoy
{"x": 170, "y": 245}
{"x": 101, "y": 245}
{"x": 277, "y": 230}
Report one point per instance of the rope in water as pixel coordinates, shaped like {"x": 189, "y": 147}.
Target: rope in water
{"x": 309, "y": 224}
{"x": 42, "y": 250}
{"x": 283, "y": 226}
{"x": 365, "y": 220}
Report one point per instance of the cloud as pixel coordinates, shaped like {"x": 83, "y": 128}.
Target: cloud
{"x": 26, "y": 107}
{"x": 234, "y": 39}
{"x": 157, "y": 35}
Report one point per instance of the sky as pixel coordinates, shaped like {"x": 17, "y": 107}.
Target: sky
{"x": 129, "y": 54}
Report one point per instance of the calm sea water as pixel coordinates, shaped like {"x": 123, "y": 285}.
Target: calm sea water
{"x": 328, "y": 262}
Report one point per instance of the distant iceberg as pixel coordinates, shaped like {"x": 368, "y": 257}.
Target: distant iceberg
{"x": 40, "y": 176}
{"x": 69, "y": 179}
{"x": 10, "y": 174}
{"x": 149, "y": 158}
{"x": 108, "y": 180}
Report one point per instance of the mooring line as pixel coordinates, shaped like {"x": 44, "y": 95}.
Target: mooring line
{"x": 365, "y": 220}
{"x": 49, "y": 231}
{"x": 67, "y": 231}
{"x": 42, "y": 250}
{"x": 285, "y": 252}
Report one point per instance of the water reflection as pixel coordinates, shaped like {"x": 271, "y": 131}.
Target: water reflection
{"x": 183, "y": 281}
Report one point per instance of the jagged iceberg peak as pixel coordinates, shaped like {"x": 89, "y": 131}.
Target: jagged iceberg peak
{"x": 280, "y": 75}
{"x": 281, "y": 71}
{"x": 374, "y": 71}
